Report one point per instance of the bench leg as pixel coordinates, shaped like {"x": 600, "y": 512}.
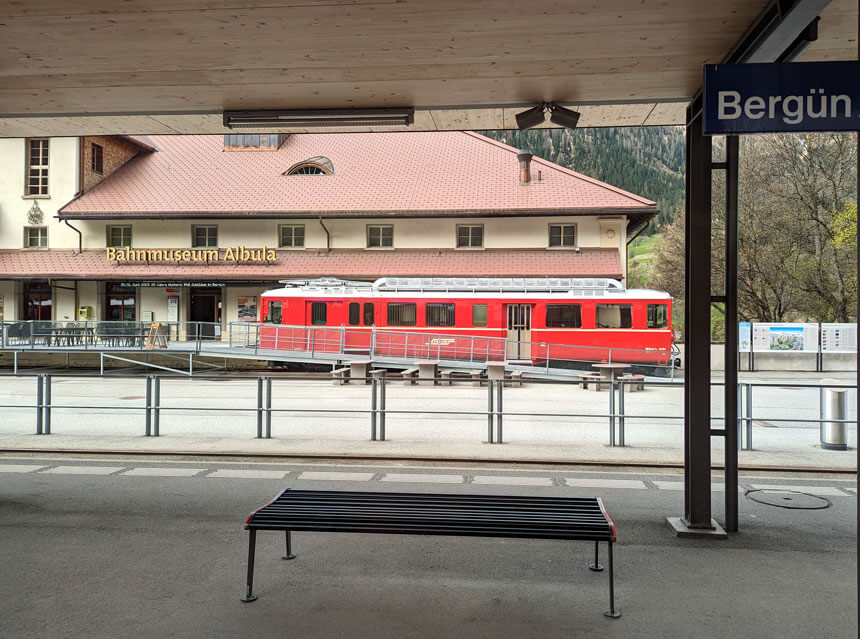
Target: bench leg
{"x": 289, "y": 554}
{"x": 596, "y": 567}
{"x": 612, "y": 612}
{"x": 252, "y": 544}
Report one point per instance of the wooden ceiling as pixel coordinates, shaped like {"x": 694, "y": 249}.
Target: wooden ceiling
{"x": 172, "y": 66}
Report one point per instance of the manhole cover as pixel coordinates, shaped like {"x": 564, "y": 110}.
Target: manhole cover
{"x": 791, "y": 499}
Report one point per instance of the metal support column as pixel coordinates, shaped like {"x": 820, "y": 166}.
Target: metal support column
{"x": 156, "y": 411}
{"x": 39, "y": 403}
{"x": 373, "y": 385}
{"x": 731, "y": 342}
{"x": 500, "y": 383}
{"x": 382, "y": 409}
{"x": 148, "y": 431}
{"x": 489, "y": 411}
{"x": 259, "y": 408}
{"x": 46, "y": 415}
{"x": 268, "y": 408}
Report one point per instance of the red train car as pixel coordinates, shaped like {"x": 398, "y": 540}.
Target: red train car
{"x": 516, "y": 319}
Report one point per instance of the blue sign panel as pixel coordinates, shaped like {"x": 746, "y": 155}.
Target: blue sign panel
{"x": 794, "y": 97}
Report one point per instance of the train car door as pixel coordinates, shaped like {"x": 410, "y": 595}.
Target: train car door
{"x": 519, "y": 331}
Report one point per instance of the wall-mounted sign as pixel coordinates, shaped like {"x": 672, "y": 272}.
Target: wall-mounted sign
{"x": 168, "y": 286}
{"x": 744, "y": 337}
{"x": 778, "y": 98}
{"x": 192, "y": 256}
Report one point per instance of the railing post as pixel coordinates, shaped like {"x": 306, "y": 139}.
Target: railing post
{"x": 148, "y": 405}
{"x": 47, "y": 413}
{"x": 372, "y": 340}
{"x": 259, "y": 408}
{"x": 156, "y": 411}
{"x": 230, "y": 334}
{"x": 342, "y": 338}
{"x": 621, "y": 413}
{"x": 39, "y": 402}
{"x": 749, "y": 417}
{"x": 268, "y": 408}
{"x": 546, "y": 355}
{"x": 740, "y": 418}
{"x": 500, "y": 383}
{"x": 489, "y": 411}
{"x": 313, "y": 342}
{"x": 611, "y": 411}
{"x": 610, "y": 356}
{"x": 472, "y": 350}
{"x": 373, "y": 384}
{"x": 382, "y": 409}
{"x": 102, "y": 364}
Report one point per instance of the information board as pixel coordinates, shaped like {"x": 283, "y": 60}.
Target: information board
{"x": 744, "y": 337}
{"x": 838, "y": 338}
{"x": 790, "y": 338}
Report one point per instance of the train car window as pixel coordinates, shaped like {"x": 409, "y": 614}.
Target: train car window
{"x": 479, "y": 314}
{"x": 658, "y": 316}
{"x": 319, "y": 313}
{"x": 439, "y": 314}
{"x": 275, "y": 316}
{"x": 368, "y": 314}
{"x": 354, "y": 313}
{"x": 400, "y": 314}
{"x": 563, "y": 316}
{"x": 614, "y": 316}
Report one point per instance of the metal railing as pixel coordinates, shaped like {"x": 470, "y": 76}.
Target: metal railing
{"x": 278, "y": 341}
{"x": 378, "y": 411}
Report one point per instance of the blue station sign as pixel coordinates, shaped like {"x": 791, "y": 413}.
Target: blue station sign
{"x": 794, "y": 97}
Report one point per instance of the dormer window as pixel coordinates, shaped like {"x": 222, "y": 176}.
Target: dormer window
{"x": 312, "y": 166}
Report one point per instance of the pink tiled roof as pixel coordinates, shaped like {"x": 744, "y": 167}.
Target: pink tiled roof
{"x": 91, "y": 264}
{"x": 374, "y": 174}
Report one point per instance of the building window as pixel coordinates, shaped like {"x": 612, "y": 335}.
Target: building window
{"x": 319, "y": 313}
{"x": 37, "y": 167}
{"x": 97, "y": 158}
{"x": 439, "y": 314}
{"x": 354, "y": 313}
{"x": 470, "y": 236}
{"x": 368, "y": 314}
{"x": 291, "y": 236}
{"x": 479, "y": 314}
{"x": 318, "y": 165}
{"x": 658, "y": 316}
{"x": 379, "y": 236}
{"x": 562, "y": 235}
{"x": 36, "y": 237}
{"x": 120, "y": 303}
{"x": 275, "y": 310}
{"x": 402, "y": 314}
{"x": 614, "y": 316}
{"x": 563, "y": 316}
{"x": 119, "y": 236}
{"x": 204, "y": 236}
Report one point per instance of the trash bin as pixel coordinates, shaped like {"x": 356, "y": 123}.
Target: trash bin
{"x": 835, "y": 404}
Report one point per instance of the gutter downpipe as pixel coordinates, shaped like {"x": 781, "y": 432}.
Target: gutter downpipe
{"x": 80, "y": 237}
{"x": 327, "y": 235}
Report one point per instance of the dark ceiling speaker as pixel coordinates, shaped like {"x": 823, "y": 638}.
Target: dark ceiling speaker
{"x": 530, "y": 118}
{"x": 563, "y": 117}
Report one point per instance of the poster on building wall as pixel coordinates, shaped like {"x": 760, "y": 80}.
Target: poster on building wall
{"x": 838, "y": 338}
{"x": 744, "y": 337}
{"x": 797, "y": 338}
{"x": 247, "y": 309}
{"x": 173, "y": 308}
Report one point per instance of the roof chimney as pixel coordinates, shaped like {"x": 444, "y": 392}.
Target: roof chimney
{"x": 525, "y": 159}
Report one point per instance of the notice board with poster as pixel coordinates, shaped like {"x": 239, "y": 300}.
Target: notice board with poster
{"x": 247, "y": 309}
{"x": 785, "y": 338}
{"x": 838, "y": 338}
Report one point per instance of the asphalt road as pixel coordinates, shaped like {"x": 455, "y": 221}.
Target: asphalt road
{"x": 137, "y": 547}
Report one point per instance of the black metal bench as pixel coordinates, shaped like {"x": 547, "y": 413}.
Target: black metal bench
{"x": 574, "y": 518}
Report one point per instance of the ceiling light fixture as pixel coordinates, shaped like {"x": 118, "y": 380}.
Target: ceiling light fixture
{"x": 537, "y": 115}
{"x": 309, "y": 118}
